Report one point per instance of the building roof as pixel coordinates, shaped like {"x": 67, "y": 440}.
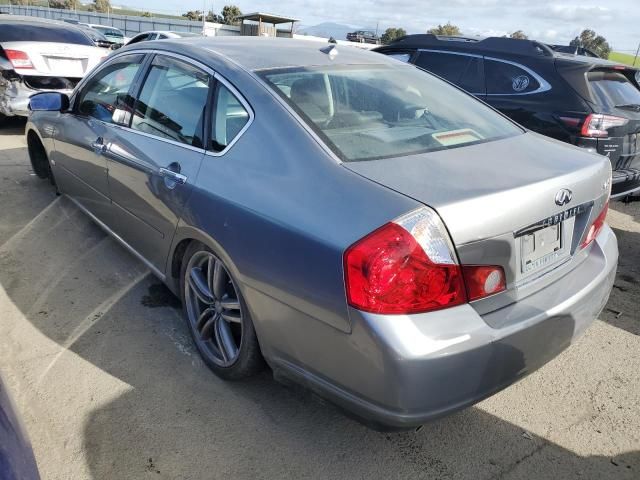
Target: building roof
{"x": 267, "y": 17}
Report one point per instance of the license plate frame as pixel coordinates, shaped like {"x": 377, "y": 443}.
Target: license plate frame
{"x": 541, "y": 247}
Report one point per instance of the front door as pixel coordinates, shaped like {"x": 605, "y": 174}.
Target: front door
{"x": 153, "y": 163}
{"x": 81, "y": 167}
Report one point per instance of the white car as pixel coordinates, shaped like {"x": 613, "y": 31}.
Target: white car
{"x": 113, "y": 34}
{"x": 161, "y": 35}
{"x": 38, "y": 55}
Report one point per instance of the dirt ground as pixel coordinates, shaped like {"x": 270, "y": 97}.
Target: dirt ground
{"x": 101, "y": 366}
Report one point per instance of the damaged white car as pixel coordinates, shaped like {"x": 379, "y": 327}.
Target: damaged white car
{"x": 38, "y": 55}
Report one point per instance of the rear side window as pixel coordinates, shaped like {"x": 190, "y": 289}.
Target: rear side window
{"x": 462, "y": 70}
{"x": 29, "y": 32}
{"x": 106, "y": 95}
{"x": 403, "y": 57}
{"x": 507, "y": 79}
{"x": 612, "y": 89}
{"x": 230, "y": 117}
{"x": 172, "y": 101}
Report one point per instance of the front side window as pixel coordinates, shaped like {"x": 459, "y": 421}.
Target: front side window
{"x": 172, "y": 101}
{"x": 376, "y": 111}
{"x": 462, "y": 70}
{"x": 230, "y": 117}
{"x": 106, "y": 95}
{"x": 507, "y": 79}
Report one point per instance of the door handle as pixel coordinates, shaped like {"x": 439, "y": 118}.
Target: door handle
{"x": 173, "y": 176}
{"x": 98, "y": 146}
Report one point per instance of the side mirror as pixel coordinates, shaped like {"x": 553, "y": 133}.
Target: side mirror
{"x": 49, "y": 102}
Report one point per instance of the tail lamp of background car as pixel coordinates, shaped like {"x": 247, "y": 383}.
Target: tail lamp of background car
{"x": 597, "y": 125}
{"x": 409, "y": 266}
{"x": 18, "y": 59}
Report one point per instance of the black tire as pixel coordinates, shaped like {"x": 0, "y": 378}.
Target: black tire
{"x": 248, "y": 360}
{"x": 38, "y": 157}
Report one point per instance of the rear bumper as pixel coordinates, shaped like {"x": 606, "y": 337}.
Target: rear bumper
{"x": 401, "y": 371}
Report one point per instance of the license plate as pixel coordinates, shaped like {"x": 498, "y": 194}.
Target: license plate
{"x": 540, "y": 248}
{"x": 68, "y": 67}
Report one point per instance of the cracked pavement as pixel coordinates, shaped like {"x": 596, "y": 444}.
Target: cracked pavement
{"x": 101, "y": 366}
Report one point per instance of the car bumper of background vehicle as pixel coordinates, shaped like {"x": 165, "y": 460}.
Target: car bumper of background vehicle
{"x": 15, "y": 95}
{"x": 420, "y": 367}
{"x": 625, "y": 182}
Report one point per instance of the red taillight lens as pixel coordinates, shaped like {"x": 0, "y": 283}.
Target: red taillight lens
{"x": 595, "y": 227}
{"x": 390, "y": 272}
{"x": 18, "y": 59}
{"x": 598, "y": 125}
{"x": 483, "y": 280}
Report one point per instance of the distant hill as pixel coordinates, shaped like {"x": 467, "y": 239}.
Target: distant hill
{"x": 329, "y": 29}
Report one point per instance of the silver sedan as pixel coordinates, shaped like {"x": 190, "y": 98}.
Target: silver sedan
{"x": 367, "y": 229}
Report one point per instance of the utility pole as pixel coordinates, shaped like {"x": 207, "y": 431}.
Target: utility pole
{"x": 636, "y": 57}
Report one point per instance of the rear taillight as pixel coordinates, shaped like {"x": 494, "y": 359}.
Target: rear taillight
{"x": 18, "y": 59}
{"x": 483, "y": 280}
{"x": 595, "y": 227}
{"x": 406, "y": 266}
{"x": 598, "y": 125}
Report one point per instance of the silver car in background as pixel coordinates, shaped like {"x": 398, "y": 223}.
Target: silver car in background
{"x": 369, "y": 230}
{"x": 41, "y": 55}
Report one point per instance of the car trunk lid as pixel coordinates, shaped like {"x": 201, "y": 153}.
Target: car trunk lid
{"x": 496, "y": 198}
{"x": 57, "y": 59}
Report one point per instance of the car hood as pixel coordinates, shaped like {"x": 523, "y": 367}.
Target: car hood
{"x": 486, "y": 190}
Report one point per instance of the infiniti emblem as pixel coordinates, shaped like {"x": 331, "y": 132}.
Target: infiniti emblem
{"x": 563, "y": 196}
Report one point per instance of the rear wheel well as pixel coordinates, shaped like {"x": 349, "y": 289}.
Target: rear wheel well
{"x": 178, "y": 256}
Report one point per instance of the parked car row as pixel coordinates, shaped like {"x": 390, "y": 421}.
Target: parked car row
{"x": 583, "y": 100}
{"x": 363, "y": 226}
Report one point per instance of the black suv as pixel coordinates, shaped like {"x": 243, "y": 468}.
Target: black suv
{"x": 589, "y": 102}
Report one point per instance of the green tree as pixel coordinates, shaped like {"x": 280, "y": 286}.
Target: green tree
{"x": 146, "y": 14}
{"x": 519, "y": 34}
{"x": 230, "y": 14}
{"x": 193, "y": 15}
{"x": 102, "y": 6}
{"x": 214, "y": 17}
{"x": 448, "y": 29}
{"x": 391, "y": 34}
{"x": 592, "y": 41}
{"x": 19, "y": 2}
{"x": 60, "y": 4}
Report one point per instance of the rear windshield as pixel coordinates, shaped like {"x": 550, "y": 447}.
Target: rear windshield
{"x": 369, "y": 112}
{"x": 42, "y": 33}
{"x": 612, "y": 89}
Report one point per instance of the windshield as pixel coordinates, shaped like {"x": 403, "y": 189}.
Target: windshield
{"x": 611, "y": 89}
{"x": 375, "y": 111}
{"x": 110, "y": 32}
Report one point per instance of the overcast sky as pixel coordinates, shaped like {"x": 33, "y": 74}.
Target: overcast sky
{"x": 548, "y": 20}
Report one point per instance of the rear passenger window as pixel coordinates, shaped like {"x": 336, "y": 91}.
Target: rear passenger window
{"x": 172, "y": 102}
{"x": 106, "y": 95}
{"x": 462, "y": 70}
{"x": 229, "y": 118}
{"x": 507, "y": 79}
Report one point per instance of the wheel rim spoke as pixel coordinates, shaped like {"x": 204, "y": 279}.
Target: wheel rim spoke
{"x": 232, "y": 317}
{"x": 205, "y": 316}
{"x": 224, "y": 339}
{"x": 230, "y": 304}
{"x": 218, "y": 279}
{"x": 209, "y": 327}
{"x": 199, "y": 285}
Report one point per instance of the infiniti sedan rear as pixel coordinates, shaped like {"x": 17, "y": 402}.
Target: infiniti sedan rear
{"x": 365, "y": 228}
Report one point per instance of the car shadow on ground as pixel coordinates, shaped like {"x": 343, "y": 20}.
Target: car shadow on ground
{"x": 11, "y": 126}
{"x": 176, "y": 419}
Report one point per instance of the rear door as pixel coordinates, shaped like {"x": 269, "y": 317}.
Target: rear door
{"x": 153, "y": 163}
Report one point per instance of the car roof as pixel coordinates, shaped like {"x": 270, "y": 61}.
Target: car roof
{"x": 257, "y": 53}
{"x": 24, "y": 20}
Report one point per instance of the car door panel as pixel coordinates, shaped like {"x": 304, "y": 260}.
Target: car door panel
{"x": 147, "y": 204}
{"x": 153, "y": 163}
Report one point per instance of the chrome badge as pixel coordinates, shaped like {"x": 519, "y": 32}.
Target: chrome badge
{"x": 563, "y": 197}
